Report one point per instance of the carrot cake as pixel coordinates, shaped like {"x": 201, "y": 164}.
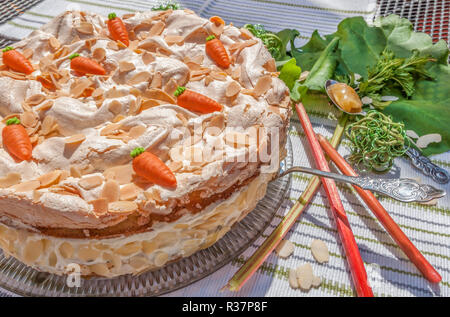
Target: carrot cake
{"x": 196, "y": 102}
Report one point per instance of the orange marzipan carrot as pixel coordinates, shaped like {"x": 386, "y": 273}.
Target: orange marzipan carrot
{"x": 16, "y": 61}
{"x": 84, "y": 65}
{"x": 215, "y": 49}
{"x": 378, "y": 210}
{"x": 194, "y": 101}
{"x": 16, "y": 140}
{"x": 150, "y": 167}
{"x": 117, "y": 29}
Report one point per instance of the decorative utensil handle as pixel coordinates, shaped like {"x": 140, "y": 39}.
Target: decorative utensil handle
{"x": 402, "y": 189}
{"x": 424, "y": 164}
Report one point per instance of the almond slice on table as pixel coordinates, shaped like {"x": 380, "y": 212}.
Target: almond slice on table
{"x": 90, "y": 182}
{"x": 10, "y": 179}
{"x": 316, "y": 281}
{"x": 284, "y": 249}
{"x": 320, "y": 251}
{"x": 293, "y": 282}
{"x": 75, "y": 139}
{"x": 305, "y": 276}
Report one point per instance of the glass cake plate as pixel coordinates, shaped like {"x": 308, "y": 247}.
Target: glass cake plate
{"x": 26, "y": 281}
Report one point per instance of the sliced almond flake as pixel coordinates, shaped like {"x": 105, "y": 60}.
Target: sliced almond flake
{"x": 134, "y": 106}
{"x": 112, "y": 128}
{"x": 305, "y": 276}
{"x": 49, "y": 179}
{"x": 13, "y": 75}
{"x": 48, "y": 125}
{"x": 284, "y": 249}
{"x": 28, "y": 52}
{"x": 78, "y": 88}
{"x": 118, "y": 118}
{"x": 171, "y": 86}
{"x": 120, "y": 44}
{"x": 98, "y": 92}
{"x": 270, "y": 65}
{"x": 218, "y": 75}
{"x": 112, "y": 45}
{"x": 316, "y": 281}
{"x": 293, "y": 278}
{"x": 425, "y": 140}
{"x": 182, "y": 119}
{"x": 122, "y": 207}
{"x": 246, "y": 34}
{"x": 29, "y": 119}
{"x": 197, "y": 34}
{"x": 147, "y": 58}
{"x": 100, "y": 206}
{"x": 90, "y": 42}
{"x": 198, "y": 78}
{"x": 137, "y": 131}
{"x": 90, "y": 182}
{"x": 114, "y": 93}
{"x": 239, "y": 46}
{"x": 111, "y": 191}
{"x": 99, "y": 54}
{"x": 129, "y": 192}
{"x": 75, "y": 171}
{"x": 215, "y": 126}
{"x": 10, "y": 180}
{"x": 139, "y": 78}
{"x": 75, "y": 139}
{"x": 157, "y": 28}
{"x": 232, "y": 89}
{"x": 158, "y": 94}
{"x": 217, "y": 29}
{"x": 208, "y": 80}
{"x": 319, "y": 251}
{"x": 125, "y": 66}
{"x": 54, "y": 44}
{"x": 123, "y": 174}
{"x": 149, "y": 103}
{"x": 122, "y": 136}
{"x": 200, "y": 72}
{"x": 236, "y": 73}
{"x": 62, "y": 52}
{"x": 262, "y": 85}
{"x": 37, "y": 195}
{"x": 85, "y": 28}
{"x": 27, "y": 186}
{"x": 156, "y": 81}
{"x": 26, "y": 108}
{"x": 115, "y": 107}
{"x": 174, "y": 39}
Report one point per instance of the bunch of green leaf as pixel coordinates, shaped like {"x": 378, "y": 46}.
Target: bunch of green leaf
{"x": 357, "y": 48}
{"x": 391, "y": 73}
{"x": 376, "y": 141}
{"x": 166, "y": 5}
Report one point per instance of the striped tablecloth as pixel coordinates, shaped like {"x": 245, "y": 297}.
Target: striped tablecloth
{"x": 390, "y": 272}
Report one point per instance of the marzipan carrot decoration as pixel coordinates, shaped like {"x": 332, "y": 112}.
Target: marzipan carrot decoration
{"x": 194, "y": 101}
{"x": 117, "y": 29}
{"x": 16, "y": 61}
{"x": 84, "y": 65}
{"x": 16, "y": 139}
{"x": 150, "y": 167}
{"x": 215, "y": 49}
